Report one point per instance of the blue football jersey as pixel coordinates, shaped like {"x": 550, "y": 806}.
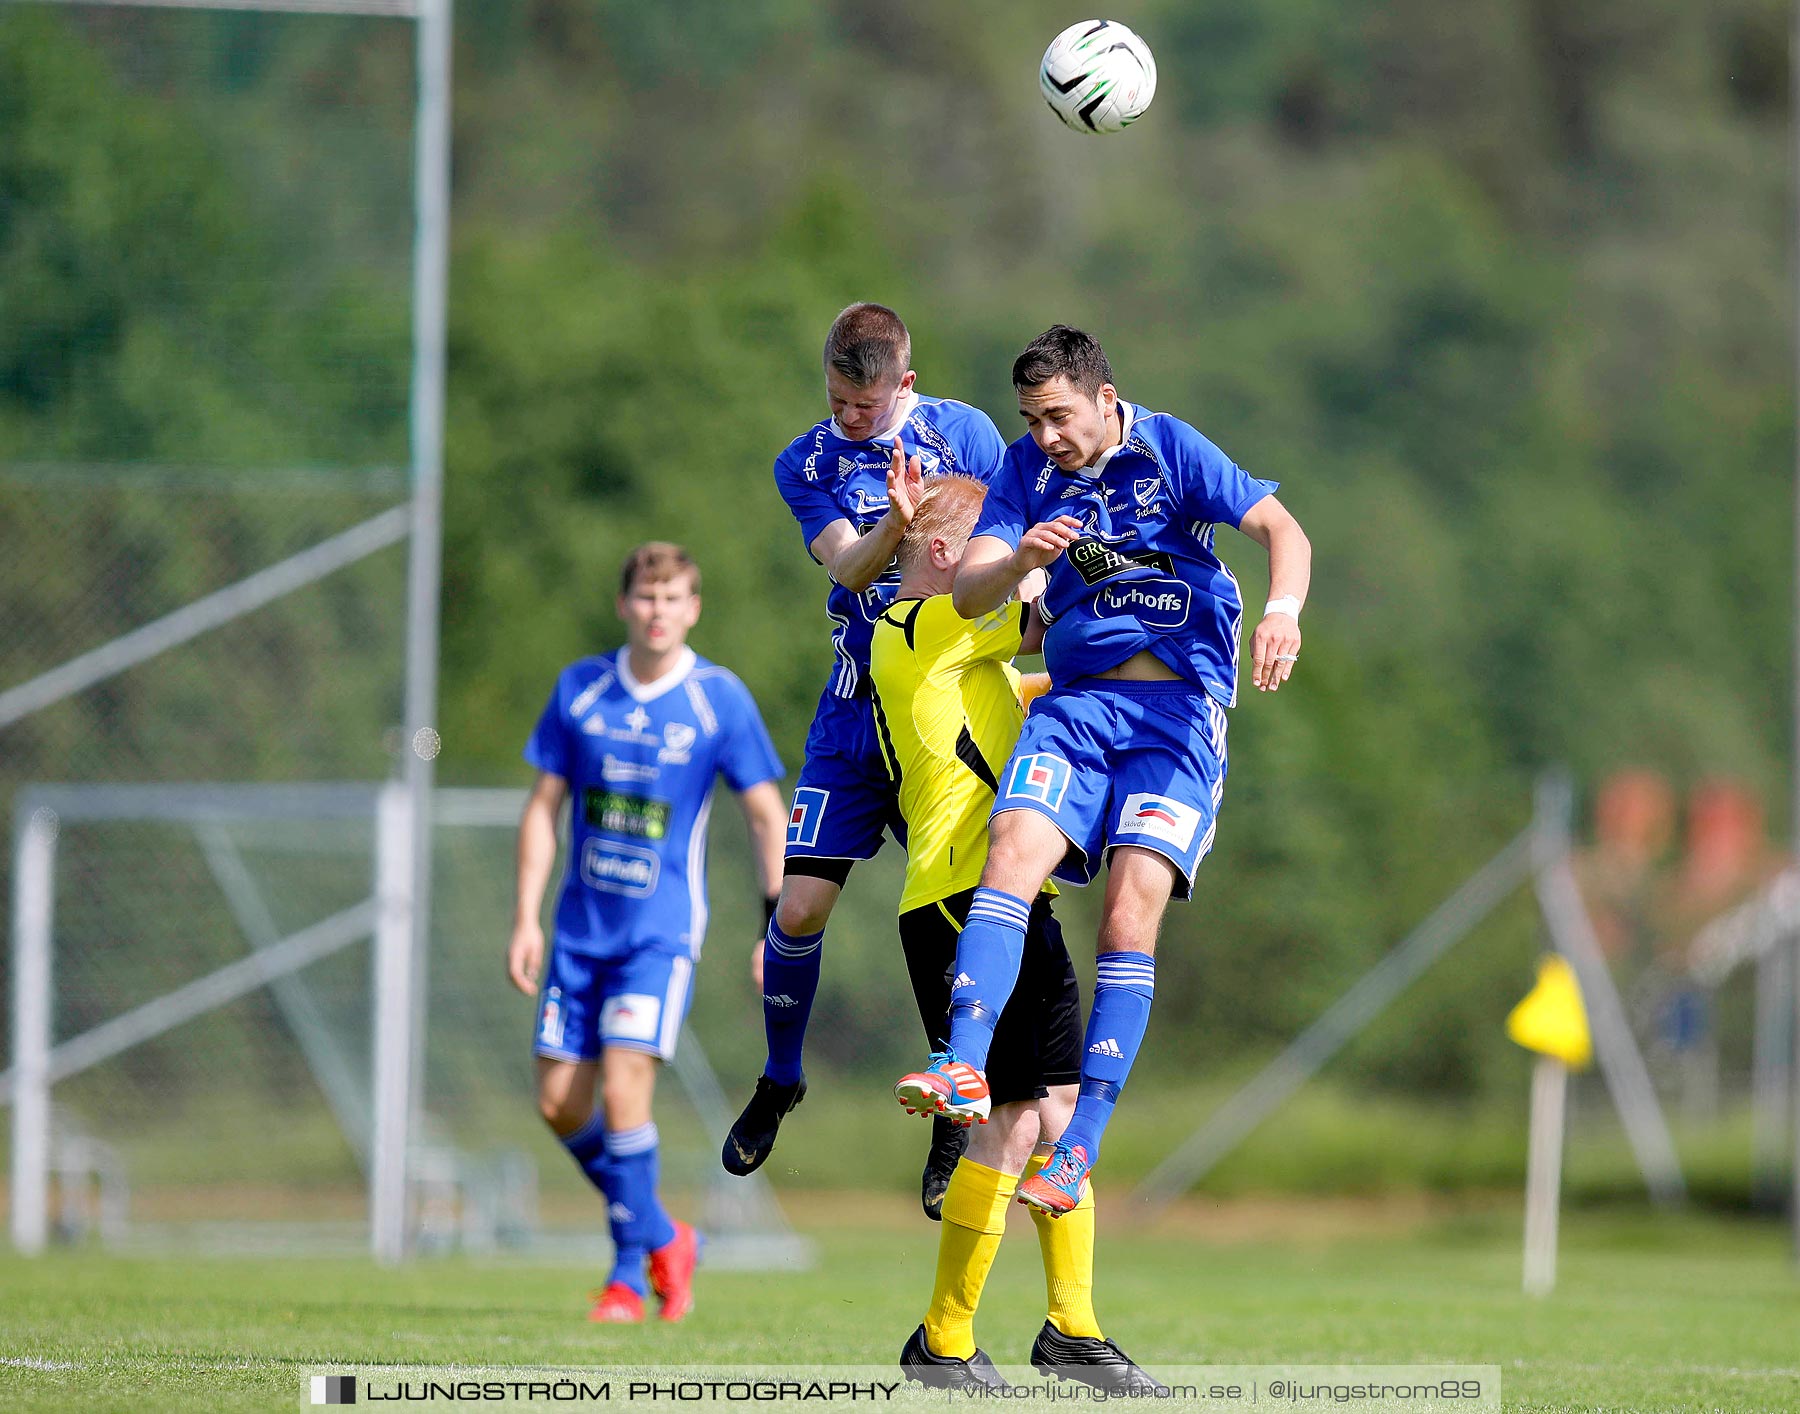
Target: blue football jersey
{"x": 1143, "y": 574}
{"x": 640, "y": 759}
{"x": 824, "y": 478}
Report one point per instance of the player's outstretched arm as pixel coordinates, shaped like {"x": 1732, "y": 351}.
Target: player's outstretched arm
{"x": 537, "y": 857}
{"x": 991, "y": 569}
{"x": 857, "y": 561}
{"x": 1275, "y": 646}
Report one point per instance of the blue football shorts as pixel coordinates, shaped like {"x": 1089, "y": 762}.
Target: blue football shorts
{"x": 1114, "y": 763}
{"x": 844, "y": 799}
{"x": 637, "y": 1001}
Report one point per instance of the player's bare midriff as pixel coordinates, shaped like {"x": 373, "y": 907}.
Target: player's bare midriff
{"x": 1142, "y": 666}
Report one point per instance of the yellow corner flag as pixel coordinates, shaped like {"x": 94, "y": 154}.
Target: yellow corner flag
{"x": 1551, "y": 1020}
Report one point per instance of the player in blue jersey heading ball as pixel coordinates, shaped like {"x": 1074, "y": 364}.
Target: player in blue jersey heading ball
{"x": 1124, "y": 759}
{"x": 634, "y": 740}
{"x": 835, "y": 479}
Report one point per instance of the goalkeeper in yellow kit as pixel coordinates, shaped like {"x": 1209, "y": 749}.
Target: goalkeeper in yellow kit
{"x": 947, "y": 712}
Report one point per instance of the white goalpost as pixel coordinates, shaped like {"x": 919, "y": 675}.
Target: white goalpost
{"x": 373, "y": 1104}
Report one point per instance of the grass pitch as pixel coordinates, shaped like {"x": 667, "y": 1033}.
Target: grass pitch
{"x": 1689, "y": 1313}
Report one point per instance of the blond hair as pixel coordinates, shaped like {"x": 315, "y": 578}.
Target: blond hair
{"x": 947, "y": 510}
{"x": 656, "y": 561}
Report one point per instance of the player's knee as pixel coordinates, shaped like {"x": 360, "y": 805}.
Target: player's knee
{"x": 802, "y": 911}
{"x": 563, "y": 1112}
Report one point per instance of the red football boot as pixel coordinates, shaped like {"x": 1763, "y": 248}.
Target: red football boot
{"x": 617, "y": 1305}
{"x": 672, "y": 1272}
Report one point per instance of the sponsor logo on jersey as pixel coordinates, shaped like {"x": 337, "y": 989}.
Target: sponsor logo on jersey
{"x": 1044, "y": 479}
{"x": 1160, "y": 604}
{"x": 637, "y": 718}
{"x": 631, "y": 1016}
{"x": 1096, "y": 560}
{"x": 619, "y": 868}
{"x": 621, "y": 772}
{"x": 615, "y": 812}
{"x": 1160, "y": 818}
{"x": 866, "y": 505}
{"x": 803, "y": 819}
{"x": 594, "y": 725}
{"x": 1041, "y": 777}
{"x": 678, "y": 741}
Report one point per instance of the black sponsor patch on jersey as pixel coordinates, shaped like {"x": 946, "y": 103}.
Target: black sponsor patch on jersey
{"x": 1097, "y": 561}
{"x": 616, "y": 813}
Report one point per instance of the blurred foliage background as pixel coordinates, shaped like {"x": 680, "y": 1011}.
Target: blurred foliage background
{"x": 1498, "y": 292}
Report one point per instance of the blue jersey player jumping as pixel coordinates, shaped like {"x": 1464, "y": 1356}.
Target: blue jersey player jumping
{"x": 634, "y": 739}
{"x": 1124, "y": 759}
{"x": 851, "y": 481}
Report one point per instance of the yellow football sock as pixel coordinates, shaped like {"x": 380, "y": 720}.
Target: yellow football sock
{"x": 1068, "y": 1247}
{"x": 974, "y": 1219}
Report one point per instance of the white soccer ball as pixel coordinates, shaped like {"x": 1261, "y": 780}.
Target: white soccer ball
{"x": 1098, "y": 76}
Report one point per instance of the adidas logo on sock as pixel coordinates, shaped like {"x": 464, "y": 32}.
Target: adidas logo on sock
{"x": 1108, "y": 1047}
{"x": 962, "y": 980}
{"x": 783, "y": 1000}
{"x": 619, "y": 1213}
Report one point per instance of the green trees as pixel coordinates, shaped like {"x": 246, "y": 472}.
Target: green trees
{"x": 1499, "y": 297}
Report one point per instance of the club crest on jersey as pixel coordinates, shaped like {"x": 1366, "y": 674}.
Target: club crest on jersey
{"x": 1160, "y": 604}
{"x": 803, "y": 819}
{"x": 619, "y": 868}
{"x": 1160, "y": 818}
{"x": 1041, "y": 777}
{"x": 678, "y": 741}
{"x": 1144, "y": 492}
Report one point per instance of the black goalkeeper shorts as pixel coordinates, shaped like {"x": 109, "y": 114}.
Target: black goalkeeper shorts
{"x": 1037, "y": 1042}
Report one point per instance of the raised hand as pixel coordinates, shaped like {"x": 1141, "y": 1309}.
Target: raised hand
{"x": 905, "y": 485}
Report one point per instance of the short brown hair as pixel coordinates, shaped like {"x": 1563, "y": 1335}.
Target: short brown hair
{"x": 868, "y": 344}
{"x": 656, "y": 561}
{"x": 1062, "y": 351}
{"x": 947, "y": 510}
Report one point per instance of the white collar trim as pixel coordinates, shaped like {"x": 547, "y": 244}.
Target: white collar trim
{"x": 908, "y": 405}
{"x": 650, "y": 691}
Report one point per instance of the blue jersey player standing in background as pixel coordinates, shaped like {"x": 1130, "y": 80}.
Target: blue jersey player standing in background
{"x": 633, "y": 739}
{"x": 1124, "y": 759}
{"x": 835, "y": 479}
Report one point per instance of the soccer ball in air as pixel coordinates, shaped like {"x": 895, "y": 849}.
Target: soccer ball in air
{"x": 1097, "y": 76}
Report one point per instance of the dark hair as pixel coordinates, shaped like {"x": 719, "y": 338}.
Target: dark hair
{"x": 654, "y": 562}
{"x": 868, "y": 344}
{"x": 1062, "y": 350}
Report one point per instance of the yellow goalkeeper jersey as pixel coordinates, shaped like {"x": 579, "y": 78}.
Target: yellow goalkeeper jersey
{"x": 947, "y": 713}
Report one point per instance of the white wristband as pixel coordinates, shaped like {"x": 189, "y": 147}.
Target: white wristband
{"x": 1286, "y": 604}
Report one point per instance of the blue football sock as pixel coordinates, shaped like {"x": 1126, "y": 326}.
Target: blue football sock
{"x": 587, "y": 1146}
{"x": 790, "y": 982}
{"x": 639, "y": 1223}
{"x": 987, "y": 968}
{"x": 1124, "y": 987}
